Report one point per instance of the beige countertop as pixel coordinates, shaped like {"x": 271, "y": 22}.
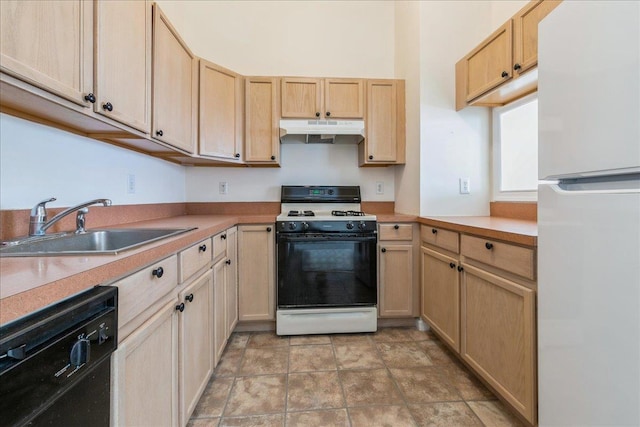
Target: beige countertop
{"x": 30, "y": 283}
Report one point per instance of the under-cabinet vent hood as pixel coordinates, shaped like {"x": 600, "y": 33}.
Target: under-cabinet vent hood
{"x": 322, "y": 131}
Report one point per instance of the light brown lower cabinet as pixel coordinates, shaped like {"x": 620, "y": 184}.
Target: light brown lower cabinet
{"x": 231, "y": 280}
{"x": 219, "y": 308}
{"x": 498, "y": 336}
{"x": 256, "y": 272}
{"x": 395, "y": 263}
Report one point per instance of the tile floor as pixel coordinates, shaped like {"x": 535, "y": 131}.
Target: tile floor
{"x": 394, "y": 377}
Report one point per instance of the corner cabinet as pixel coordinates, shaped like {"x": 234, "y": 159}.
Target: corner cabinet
{"x": 315, "y": 98}
{"x": 262, "y": 126}
{"x": 256, "y": 272}
{"x": 221, "y": 113}
{"x": 384, "y": 143}
{"x": 175, "y": 87}
{"x": 397, "y": 287}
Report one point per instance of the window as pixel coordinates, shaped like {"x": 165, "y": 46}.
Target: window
{"x": 515, "y": 150}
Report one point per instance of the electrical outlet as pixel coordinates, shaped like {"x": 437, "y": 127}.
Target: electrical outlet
{"x": 379, "y": 187}
{"x": 131, "y": 184}
{"x": 223, "y": 186}
{"x": 465, "y": 185}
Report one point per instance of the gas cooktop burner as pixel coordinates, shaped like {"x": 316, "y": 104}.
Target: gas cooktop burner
{"x": 301, "y": 213}
{"x": 347, "y": 213}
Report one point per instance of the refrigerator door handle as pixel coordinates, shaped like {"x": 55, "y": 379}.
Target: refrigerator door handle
{"x": 616, "y": 184}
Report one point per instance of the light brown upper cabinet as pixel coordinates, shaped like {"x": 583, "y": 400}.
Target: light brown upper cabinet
{"x": 262, "y": 113}
{"x": 494, "y": 73}
{"x": 311, "y": 98}
{"x": 49, "y": 44}
{"x": 175, "y": 86}
{"x": 384, "y": 143}
{"x": 221, "y": 112}
{"x": 123, "y": 38}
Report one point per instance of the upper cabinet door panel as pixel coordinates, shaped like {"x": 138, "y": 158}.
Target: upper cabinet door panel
{"x": 301, "y": 98}
{"x": 489, "y": 64}
{"x": 525, "y": 33}
{"x": 123, "y": 31}
{"x": 344, "y": 98}
{"x": 262, "y": 111}
{"x": 49, "y": 44}
{"x": 381, "y": 121}
{"x": 175, "y": 90}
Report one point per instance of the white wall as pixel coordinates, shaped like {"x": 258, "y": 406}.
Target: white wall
{"x": 501, "y": 10}
{"x": 38, "y": 162}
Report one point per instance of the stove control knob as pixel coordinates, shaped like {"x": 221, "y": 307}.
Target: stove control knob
{"x": 305, "y": 226}
{"x": 292, "y": 225}
{"x": 362, "y": 225}
{"x": 349, "y": 225}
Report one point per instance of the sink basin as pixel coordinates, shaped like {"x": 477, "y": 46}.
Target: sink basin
{"x": 92, "y": 242}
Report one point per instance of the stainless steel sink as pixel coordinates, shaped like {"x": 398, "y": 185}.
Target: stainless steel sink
{"x": 91, "y": 242}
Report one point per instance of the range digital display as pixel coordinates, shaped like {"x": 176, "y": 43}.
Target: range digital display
{"x": 317, "y": 192}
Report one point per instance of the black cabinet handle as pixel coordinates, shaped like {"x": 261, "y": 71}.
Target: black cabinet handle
{"x": 370, "y": 157}
{"x": 460, "y": 269}
{"x": 90, "y": 97}
{"x": 273, "y": 157}
{"x": 328, "y": 113}
{"x": 223, "y": 237}
{"x": 159, "y": 132}
{"x": 268, "y": 229}
{"x": 504, "y": 74}
{"x": 108, "y": 106}
{"x": 395, "y": 227}
{"x": 517, "y": 67}
{"x": 158, "y": 272}
{"x": 488, "y": 245}
{"x": 228, "y": 262}
{"x": 317, "y": 114}
{"x": 189, "y": 298}
{"x": 383, "y": 250}
{"x": 434, "y": 231}
{"x": 237, "y": 155}
{"x": 452, "y": 265}
{"x": 180, "y": 307}
{"x": 202, "y": 248}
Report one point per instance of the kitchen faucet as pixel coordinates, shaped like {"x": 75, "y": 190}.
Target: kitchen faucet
{"x": 38, "y": 223}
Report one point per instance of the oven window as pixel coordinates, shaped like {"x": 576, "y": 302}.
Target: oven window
{"x": 326, "y": 273}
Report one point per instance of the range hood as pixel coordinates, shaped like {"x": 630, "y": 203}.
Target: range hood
{"x": 322, "y": 131}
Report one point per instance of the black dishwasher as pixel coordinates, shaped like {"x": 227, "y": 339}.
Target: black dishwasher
{"x": 55, "y": 364}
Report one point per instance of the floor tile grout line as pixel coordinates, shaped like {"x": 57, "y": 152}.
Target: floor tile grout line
{"x": 344, "y": 396}
{"x": 235, "y": 377}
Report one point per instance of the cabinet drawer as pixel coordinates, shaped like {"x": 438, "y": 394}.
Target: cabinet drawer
{"x": 444, "y": 239}
{"x": 139, "y": 291}
{"x": 219, "y": 245}
{"x": 395, "y": 232}
{"x": 195, "y": 258}
{"x": 515, "y": 259}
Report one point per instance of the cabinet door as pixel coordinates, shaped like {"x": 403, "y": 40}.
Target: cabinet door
{"x": 395, "y": 263}
{"x": 301, "y": 98}
{"x": 441, "y": 295}
{"x": 256, "y": 272}
{"x": 231, "y": 291}
{"x": 49, "y": 44}
{"x": 144, "y": 380}
{"x": 525, "y": 33}
{"x": 175, "y": 86}
{"x": 123, "y": 39}
{"x": 262, "y": 128}
{"x": 196, "y": 337}
{"x": 220, "y": 112}
{"x": 344, "y": 98}
{"x": 381, "y": 122}
{"x": 489, "y": 64}
{"x": 498, "y": 336}
{"x": 219, "y": 309}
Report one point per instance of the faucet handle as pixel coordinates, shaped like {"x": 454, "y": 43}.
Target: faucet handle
{"x": 39, "y": 209}
{"x": 80, "y": 220}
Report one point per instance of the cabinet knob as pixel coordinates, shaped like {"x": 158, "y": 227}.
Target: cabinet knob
{"x": 452, "y": 265}
{"x": 228, "y": 262}
{"x": 383, "y": 250}
{"x": 273, "y": 157}
{"x": 180, "y": 307}
{"x": 237, "y": 155}
{"x": 107, "y": 106}
{"x": 434, "y": 231}
{"x": 370, "y": 157}
{"x": 460, "y": 268}
{"x": 159, "y": 132}
{"x": 517, "y": 67}
{"x": 202, "y": 248}
{"x": 268, "y": 229}
{"x": 488, "y": 245}
{"x": 158, "y": 272}
{"x": 504, "y": 74}
{"x": 223, "y": 237}
{"x": 328, "y": 113}
{"x": 395, "y": 227}
{"x": 90, "y": 98}
{"x": 189, "y": 298}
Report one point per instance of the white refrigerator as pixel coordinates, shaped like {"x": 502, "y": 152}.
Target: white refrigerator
{"x": 589, "y": 215}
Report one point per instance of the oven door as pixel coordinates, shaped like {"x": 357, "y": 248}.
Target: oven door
{"x": 322, "y": 270}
